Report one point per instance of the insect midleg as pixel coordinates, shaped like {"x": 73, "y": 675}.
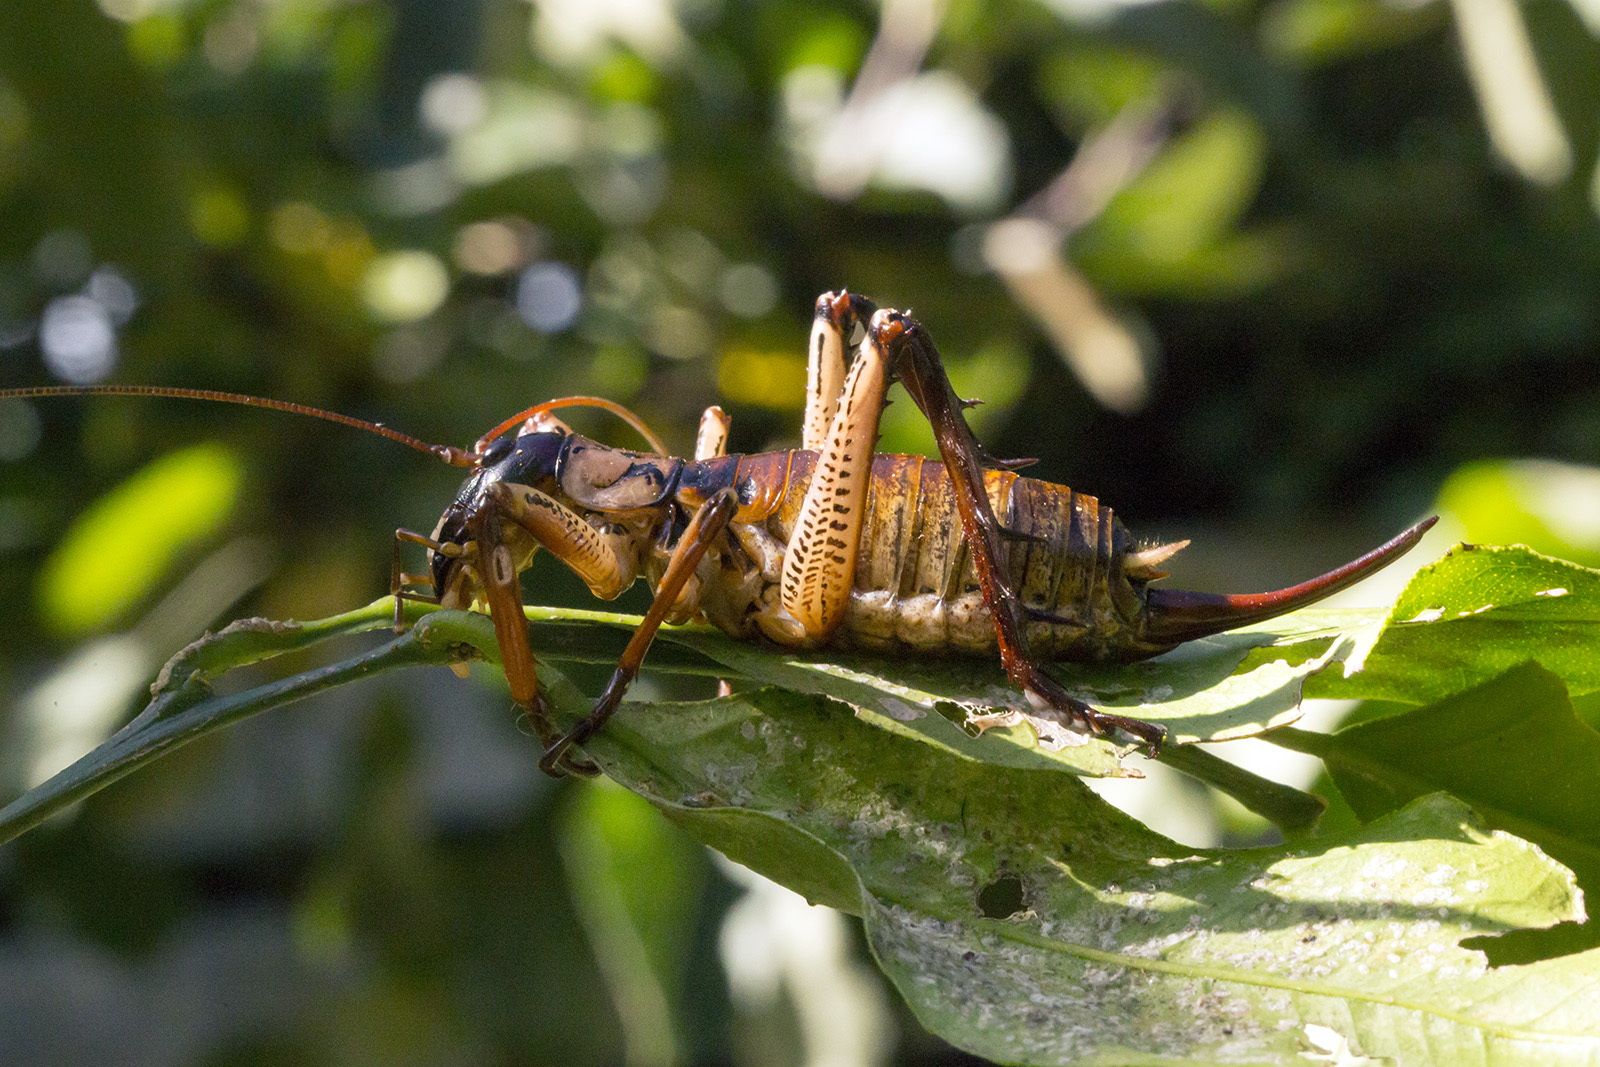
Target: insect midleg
{"x": 916, "y": 362}
{"x": 709, "y": 443}
{"x": 708, "y": 523}
{"x": 819, "y": 562}
{"x": 712, "y": 439}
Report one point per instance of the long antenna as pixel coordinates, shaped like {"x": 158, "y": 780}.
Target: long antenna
{"x": 576, "y": 402}
{"x": 456, "y": 457}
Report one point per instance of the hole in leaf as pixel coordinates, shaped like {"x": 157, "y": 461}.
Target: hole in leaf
{"x": 1001, "y": 897}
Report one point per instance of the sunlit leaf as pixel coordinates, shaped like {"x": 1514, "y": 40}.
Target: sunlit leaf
{"x": 1021, "y": 916}
{"x": 1473, "y": 614}
{"x": 1122, "y": 946}
{"x": 1511, "y": 747}
{"x": 1232, "y": 685}
{"x": 115, "y": 553}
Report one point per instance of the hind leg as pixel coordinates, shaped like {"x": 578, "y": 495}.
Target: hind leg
{"x": 916, "y": 362}
{"x": 819, "y": 561}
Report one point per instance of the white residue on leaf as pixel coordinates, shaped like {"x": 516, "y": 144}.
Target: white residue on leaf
{"x": 900, "y": 711}
{"x": 1427, "y": 615}
{"x": 1557, "y": 591}
{"x": 1474, "y": 611}
{"x": 1434, "y": 895}
{"x": 1384, "y": 868}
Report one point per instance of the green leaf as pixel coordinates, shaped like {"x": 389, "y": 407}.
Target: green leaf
{"x": 1023, "y": 917}
{"x": 1125, "y": 947}
{"x": 1512, "y": 748}
{"x": 1231, "y": 685}
{"x": 1475, "y": 613}
{"x": 115, "y": 552}
{"x": 1237, "y": 684}
{"x": 945, "y": 702}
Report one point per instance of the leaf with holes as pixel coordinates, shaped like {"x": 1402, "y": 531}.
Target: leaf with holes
{"x": 1021, "y": 916}
{"x": 1027, "y": 921}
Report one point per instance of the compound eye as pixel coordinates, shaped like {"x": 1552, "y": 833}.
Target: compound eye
{"x": 498, "y": 449}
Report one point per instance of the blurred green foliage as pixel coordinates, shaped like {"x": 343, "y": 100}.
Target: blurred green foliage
{"x": 1339, "y": 283}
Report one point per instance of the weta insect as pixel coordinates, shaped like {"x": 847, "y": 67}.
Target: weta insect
{"x": 827, "y": 545}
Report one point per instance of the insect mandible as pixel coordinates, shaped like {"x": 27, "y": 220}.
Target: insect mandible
{"x": 831, "y": 544}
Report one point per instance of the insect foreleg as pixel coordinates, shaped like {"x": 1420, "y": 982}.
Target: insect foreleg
{"x": 399, "y": 580}
{"x": 504, "y": 594}
{"x": 605, "y": 559}
{"x": 916, "y": 362}
{"x": 708, "y": 523}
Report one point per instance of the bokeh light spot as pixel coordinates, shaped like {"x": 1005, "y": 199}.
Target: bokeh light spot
{"x": 453, "y": 103}
{"x": 748, "y": 290}
{"x": 526, "y": 128}
{"x": 623, "y": 76}
{"x": 492, "y": 247}
{"x": 774, "y": 380}
{"x": 829, "y": 40}
{"x": 549, "y": 296}
{"x": 109, "y": 288}
{"x": 126, "y": 10}
{"x": 232, "y": 40}
{"x": 405, "y": 354}
{"x": 349, "y": 255}
{"x": 219, "y": 217}
{"x": 19, "y": 429}
{"x": 299, "y": 228}
{"x": 692, "y": 259}
{"x": 679, "y": 332}
{"x": 62, "y": 258}
{"x": 416, "y": 188}
{"x": 78, "y": 339}
{"x": 405, "y": 286}
{"x": 159, "y": 40}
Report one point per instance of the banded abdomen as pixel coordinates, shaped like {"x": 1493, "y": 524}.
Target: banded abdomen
{"x": 916, "y": 589}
